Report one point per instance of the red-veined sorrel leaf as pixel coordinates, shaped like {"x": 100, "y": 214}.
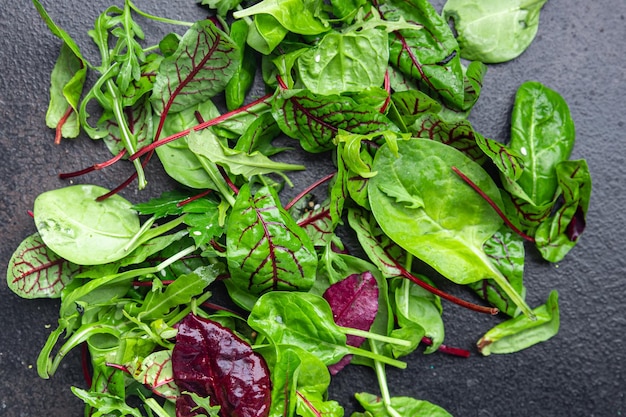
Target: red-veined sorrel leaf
{"x": 139, "y": 118}
{"x": 205, "y": 60}
{"x": 459, "y": 135}
{"x": 155, "y": 372}
{"x": 211, "y": 361}
{"x": 318, "y": 224}
{"x": 36, "y": 272}
{"x": 316, "y": 119}
{"x": 354, "y": 302}
{"x": 266, "y": 249}
{"x": 429, "y": 54}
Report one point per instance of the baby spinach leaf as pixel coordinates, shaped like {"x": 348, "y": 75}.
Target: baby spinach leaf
{"x": 345, "y": 62}
{"x": 241, "y": 81}
{"x": 266, "y": 249}
{"x": 542, "y": 134}
{"x": 520, "y": 332}
{"x": 419, "y": 204}
{"x": 82, "y": 230}
{"x": 297, "y": 16}
{"x": 201, "y": 67}
{"x": 506, "y": 251}
{"x": 403, "y": 406}
{"x": 259, "y": 135}
{"x": 35, "y": 271}
{"x": 265, "y": 33}
{"x": 493, "y": 31}
{"x": 211, "y": 361}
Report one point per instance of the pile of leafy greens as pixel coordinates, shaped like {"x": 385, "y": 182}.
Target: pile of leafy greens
{"x": 381, "y": 86}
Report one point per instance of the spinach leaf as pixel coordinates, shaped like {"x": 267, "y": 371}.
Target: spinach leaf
{"x": 345, "y": 62}
{"x": 403, "y": 406}
{"x": 82, "y": 230}
{"x": 520, "y": 332}
{"x": 420, "y": 205}
{"x": 298, "y": 16}
{"x": 493, "y": 31}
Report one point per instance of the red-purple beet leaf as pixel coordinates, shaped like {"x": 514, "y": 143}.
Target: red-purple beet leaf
{"x": 354, "y": 303}
{"x": 493, "y": 205}
{"x": 211, "y": 361}
{"x": 34, "y": 271}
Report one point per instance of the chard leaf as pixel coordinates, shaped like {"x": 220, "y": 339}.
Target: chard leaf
{"x": 259, "y": 135}
{"x": 520, "y": 332}
{"x": 429, "y": 55}
{"x": 207, "y": 146}
{"x": 317, "y": 224}
{"x": 35, "y": 271}
{"x": 316, "y": 119}
{"x": 558, "y": 234}
{"x": 345, "y": 62}
{"x": 297, "y": 16}
{"x": 493, "y": 31}
{"x": 199, "y": 69}
{"x": 82, "y": 230}
{"x": 266, "y": 249}
{"x": 211, "y": 361}
{"x": 139, "y": 119}
{"x": 448, "y": 231}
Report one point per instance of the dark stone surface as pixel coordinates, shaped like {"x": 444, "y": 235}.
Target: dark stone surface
{"x": 579, "y": 51}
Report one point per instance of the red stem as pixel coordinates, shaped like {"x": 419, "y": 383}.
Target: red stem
{"x": 387, "y": 87}
{"x": 208, "y": 123}
{"x": 84, "y": 359}
{"x": 59, "y": 134}
{"x": 492, "y": 204}
{"x": 94, "y": 167}
{"x": 454, "y": 351}
{"x": 471, "y": 306}
{"x": 193, "y": 198}
{"x": 309, "y": 189}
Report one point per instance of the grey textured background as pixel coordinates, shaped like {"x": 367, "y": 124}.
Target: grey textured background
{"x": 579, "y": 51}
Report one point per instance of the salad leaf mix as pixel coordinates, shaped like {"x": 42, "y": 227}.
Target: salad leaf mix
{"x": 382, "y": 86}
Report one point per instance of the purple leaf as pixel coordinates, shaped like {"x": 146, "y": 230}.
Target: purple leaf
{"x": 211, "y": 361}
{"x": 354, "y": 303}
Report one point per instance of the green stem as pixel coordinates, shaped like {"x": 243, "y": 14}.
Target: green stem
{"x": 375, "y": 336}
{"x": 127, "y": 137}
{"x": 218, "y": 180}
{"x": 379, "y": 368}
{"x": 157, "y": 18}
{"x": 376, "y": 357}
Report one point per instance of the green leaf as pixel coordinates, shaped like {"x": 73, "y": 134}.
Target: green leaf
{"x": 266, "y": 249}
{"x": 82, "y": 230}
{"x": 559, "y": 233}
{"x": 297, "y": 16}
{"x": 206, "y": 145}
{"x": 449, "y": 229}
{"x": 191, "y": 76}
{"x": 345, "y": 62}
{"x": 520, "y": 332}
{"x": 542, "y": 134}
{"x": 66, "y": 87}
{"x": 403, "y": 406}
{"x": 493, "y": 31}
{"x": 155, "y": 372}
